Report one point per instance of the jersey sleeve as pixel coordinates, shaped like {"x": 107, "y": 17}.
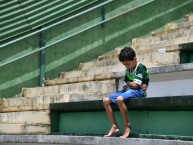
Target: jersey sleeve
{"x": 140, "y": 76}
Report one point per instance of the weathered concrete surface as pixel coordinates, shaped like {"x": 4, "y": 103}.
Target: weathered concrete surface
{"x": 166, "y": 58}
{"x": 97, "y": 77}
{"x": 172, "y": 27}
{"x": 188, "y": 17}
{"x": 92, "y": 71}
{"x": 20, "y": 108}
{"x": 84, "y": 140}
{"x": 28, "y": 122}
{"x": 24, "y": 129}
{"x": 94, "y": 77}
{"x": 154, "y": 55}
{"x": 102, "y": 63}
{"x": 163, "y": 44}
{"x": 27, "y": 117}
{"x": 42, "y": 102}
{"x": 84, "y": 87}
{"x": 107, "y": 57}
{"x": 157, "y": 69}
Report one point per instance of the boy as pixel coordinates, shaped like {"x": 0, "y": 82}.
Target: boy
{"x": 134, "y": 86}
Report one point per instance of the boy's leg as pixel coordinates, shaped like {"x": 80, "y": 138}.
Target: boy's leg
{"x": 131, "y": 93}
{"x": 123, "y": 109}
{"x": 114, "y": 129}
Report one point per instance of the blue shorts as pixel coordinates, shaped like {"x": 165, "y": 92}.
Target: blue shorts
{"x": 127, "y": 94}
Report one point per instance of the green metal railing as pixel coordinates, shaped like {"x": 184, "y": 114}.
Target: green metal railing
{"x": 65, "y": 38}
{"x": 42, "y": 40}
{"x": 72, "y": 35}
{"x": 30, "y": 15}
{"x": 56, "y": 24}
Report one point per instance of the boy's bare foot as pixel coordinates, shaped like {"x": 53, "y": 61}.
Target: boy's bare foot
{"x": 113, "y": 131}
{"x": 127, "y": 132}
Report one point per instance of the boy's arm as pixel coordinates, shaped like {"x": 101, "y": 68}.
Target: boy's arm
{"x": 135, "y": 85}
{"x": 137, "y": 82}
{"x": 125, "y": 86}
{"x": 127, "y": 83}
{"x": 132, "y": 85}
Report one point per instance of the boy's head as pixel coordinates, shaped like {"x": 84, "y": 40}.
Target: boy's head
{"x": 128, "y": 57}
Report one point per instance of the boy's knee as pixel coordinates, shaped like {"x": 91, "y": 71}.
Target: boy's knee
{"x": 120, "y": 99}
{"x": 106, "y": 100}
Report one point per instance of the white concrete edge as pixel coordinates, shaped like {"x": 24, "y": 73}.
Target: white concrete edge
{"x": 164, "y": 69}
{"x": 87, "y": 140}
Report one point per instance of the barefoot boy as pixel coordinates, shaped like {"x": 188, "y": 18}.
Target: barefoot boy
{"x": 134, "y": 86}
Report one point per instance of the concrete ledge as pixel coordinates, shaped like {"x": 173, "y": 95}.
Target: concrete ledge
{"x": 39, "y": 103}
{"x": 157, "y": 103}
{"x": 84, "y": 140}
{"x": 84, "y": 87}
{"x": 158, "y": 115}
{"x": 120, "y": 74}
{"x": 172, "y": 68}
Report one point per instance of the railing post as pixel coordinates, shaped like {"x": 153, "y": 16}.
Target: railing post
{"x": 42, "y": 57}
{"x": 102, "y": 16}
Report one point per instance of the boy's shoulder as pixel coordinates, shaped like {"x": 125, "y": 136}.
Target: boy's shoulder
{"x": 141, "y": 66}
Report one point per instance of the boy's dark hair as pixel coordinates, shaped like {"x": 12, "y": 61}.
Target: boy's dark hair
{"x": 127, "y": 54}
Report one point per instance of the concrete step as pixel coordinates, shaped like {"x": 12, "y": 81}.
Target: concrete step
{"x": 94, "y": 71}
{"x": 168, "y": 37}
{"x": 84, "y": 87}
{"x": 86, "y": 140}
{"x": 19, "y": 108}
{"x": 102, "y": 63}
{"x": 27, "y": 117}
{"x": 188, "y": 17}
{"x": 161, "y": 58}
{"x": 42, "y": 102}
{"x": 146, "y": 48}
{"x": 99, "y": 77}
{"x": 38, "y": 100}
{"x": 166, "y": 43}
{"x": 107, "y": 57}
{"x": 177, "y": 33}
{"x": 153, "y": 57}
{"x": 24, "y": 129}
{"x": 170, "y": 27}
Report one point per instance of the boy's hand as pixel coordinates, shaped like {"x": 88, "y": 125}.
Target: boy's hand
{"x": 125, "y": 87}
{"x": 144, "y": 87}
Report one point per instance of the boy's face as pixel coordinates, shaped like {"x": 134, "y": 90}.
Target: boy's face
{"x": 130, "y": 64}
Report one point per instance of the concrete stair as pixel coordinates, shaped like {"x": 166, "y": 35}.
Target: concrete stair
{"x": 41, "y": 103}
{"x": 163, "y": 47}
{"x": 84, "y": 87}
{"x": 91, "y": 72}
{"x": 102, "y": 63}
{"x": 31, "y": 115}
{"x": 28, "y": 122}
{"x": 97, "y": 77}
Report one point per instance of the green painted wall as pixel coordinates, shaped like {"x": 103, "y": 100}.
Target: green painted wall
{"x": 178, "y": 123}
{"x": 186, "y": 53}
{"x": 88, "y": 45}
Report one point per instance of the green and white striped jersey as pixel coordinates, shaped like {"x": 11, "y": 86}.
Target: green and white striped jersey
{"x": 140, "y": 75}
